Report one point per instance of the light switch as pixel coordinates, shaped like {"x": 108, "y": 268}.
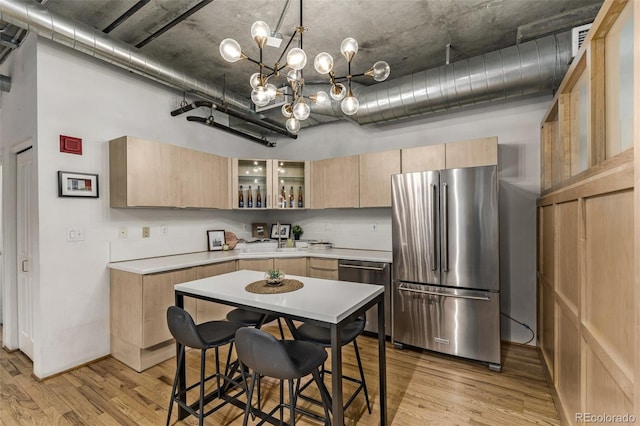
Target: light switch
{"x": 75, "y": 234}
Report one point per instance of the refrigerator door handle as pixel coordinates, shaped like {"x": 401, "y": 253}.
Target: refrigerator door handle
{"x": 435, "y": 293}
{"x": 434, "y": 225}
{"x": 445, "y": 226}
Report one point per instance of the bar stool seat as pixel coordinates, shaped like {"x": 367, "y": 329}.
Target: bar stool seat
{"x": 322, "y": 336}
{"x": 287, "y": 360}
{"x": 208, "y": 335}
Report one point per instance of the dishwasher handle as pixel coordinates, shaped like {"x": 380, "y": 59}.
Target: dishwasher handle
{"x": 368, "y": 268}
{"x": 435, "y": 293}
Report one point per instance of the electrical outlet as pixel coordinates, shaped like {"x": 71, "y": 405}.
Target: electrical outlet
{"x": 122, "y": 233}
{"x": 146, "y": 231}
{"x": 164, "y": 230}
{"x": 374, "y": 227}
{"x": 75, "y": 234}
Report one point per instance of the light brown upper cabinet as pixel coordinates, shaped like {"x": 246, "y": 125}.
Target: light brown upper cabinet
{"x": 471, "y": 153}
{"x": 375, "y": 177}
{"x": 334, "y": 182}
{"x": 271, "y": 177}
{"x": 419, "y": 159}
{"x": 151, "y": 174}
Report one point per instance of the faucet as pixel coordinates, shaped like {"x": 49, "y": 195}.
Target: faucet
{"x": 279, "y": 235}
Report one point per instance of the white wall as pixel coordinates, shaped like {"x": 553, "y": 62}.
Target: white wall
{"x": 79, "y": 96}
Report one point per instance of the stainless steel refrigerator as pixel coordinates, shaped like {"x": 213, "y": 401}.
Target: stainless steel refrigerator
{"x": 446, "y": 287}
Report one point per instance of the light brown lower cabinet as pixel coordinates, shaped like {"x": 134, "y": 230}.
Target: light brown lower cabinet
{"x": 140, "y": 337}
{"x": 323, "y": 268}
{"x": 291, "y": 265}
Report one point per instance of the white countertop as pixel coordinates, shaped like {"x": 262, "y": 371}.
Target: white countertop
{"x": 316, "y": 300}
{"x": 180, "y": 261}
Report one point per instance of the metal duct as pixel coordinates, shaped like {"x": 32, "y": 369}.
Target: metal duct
{"x": 83, "y": 38}
{"x": 526, "y": 68}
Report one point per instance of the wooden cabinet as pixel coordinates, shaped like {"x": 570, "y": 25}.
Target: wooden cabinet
{"x": 291, "y": 265}
{"x": 140, "y": 337}
{"x": 471, "y": 153}
{"x": 375, "y": 177}
{"x": 271, "y": 177}
{"x": 334, "y": 183}
{"x": 210, "y": 311}
{"x": 151, "y": 174}
{"x": 323, "y": 268}
{"x": 204, "y": 180}
{"x": 430, "y": 157}
{"x": 262, "y": 265}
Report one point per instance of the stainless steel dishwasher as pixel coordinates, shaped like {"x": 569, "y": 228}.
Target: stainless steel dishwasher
{"x": 378, "y": 273}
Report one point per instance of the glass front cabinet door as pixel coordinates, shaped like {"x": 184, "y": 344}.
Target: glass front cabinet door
{"x": 270, "y": 184}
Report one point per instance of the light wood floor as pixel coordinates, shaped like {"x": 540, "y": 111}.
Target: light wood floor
{"x": 423, "y": 389}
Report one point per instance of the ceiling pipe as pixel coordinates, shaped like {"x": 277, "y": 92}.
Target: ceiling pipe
{"x": 208, "y": 104}
{"x": 209, "y": 121}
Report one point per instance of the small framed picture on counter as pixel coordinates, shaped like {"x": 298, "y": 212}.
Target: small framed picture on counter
{"x": 284, "y": 231}
{"x": 77, "y": 185}
{"x": 215, "y": 240}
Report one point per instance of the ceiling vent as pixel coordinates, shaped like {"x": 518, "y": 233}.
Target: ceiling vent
{"x": 578, "y": 34}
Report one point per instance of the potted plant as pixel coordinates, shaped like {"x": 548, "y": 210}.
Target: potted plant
{"x": 297, "y": 231}
{"x": 274, "y": 277}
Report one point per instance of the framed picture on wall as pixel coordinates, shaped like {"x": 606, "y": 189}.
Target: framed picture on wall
{"x": 215, "y": 240}
{"x": 283, "y": 232}
{"x": 82, "y": 185}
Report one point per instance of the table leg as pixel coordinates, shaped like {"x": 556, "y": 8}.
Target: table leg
{"x": 182, "y": 376}
{"x": 382, "y": 363}
{"x": 336, "y": 376}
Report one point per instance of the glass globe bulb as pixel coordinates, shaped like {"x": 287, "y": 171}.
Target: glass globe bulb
{"x": 259, "y": 32}
{"x": 296, "y": 58}
{"x": 338, "y": 91}
{"x": 255, "y": 80}
{"x": 259, "y": 96}
{"x": 292, "y": 76}
{"x": 301, "y": 110}
{"x": 322, "y": 97}
{"x": 293, "y": 125}
{"x": 323, "y": 63}
{"x": 350, "y": 105}
{"x": 272, "y": 91}
{"x": 230, "y": 50}
{"x": 381, "y": 71}
{"x": 349, "y": 48}
{"x": 286, "y": 110}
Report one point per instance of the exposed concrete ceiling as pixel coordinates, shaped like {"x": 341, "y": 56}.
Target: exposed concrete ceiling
{"x": 411, "y": 35}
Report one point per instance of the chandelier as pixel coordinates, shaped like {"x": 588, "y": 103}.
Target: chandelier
{"x": 297, "y": 109}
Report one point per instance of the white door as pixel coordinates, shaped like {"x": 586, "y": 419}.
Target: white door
{"x": 25, "y": 280}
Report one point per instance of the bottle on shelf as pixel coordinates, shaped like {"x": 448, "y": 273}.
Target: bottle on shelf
{"x": 241, "y": 198}
{"x": 300, "y": 199}
{"x": 291, "y": 197}
{"x": 250, "y": 198}
{"x": 283, "y": 198}
{"x": 258, "y": 198}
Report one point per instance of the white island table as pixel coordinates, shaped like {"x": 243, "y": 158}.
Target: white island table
{"x": 326, "y": 302}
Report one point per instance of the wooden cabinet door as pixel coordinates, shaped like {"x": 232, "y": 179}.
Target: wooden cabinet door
{"x": 375, "y": 177}
{"x": 335, "y": 183}
{"x": 144, "y": 173}
{"x": 422, "y": 158}
{"x": 262, "y": 265}
{"x": 323, "y": 268}
{"x": 204, "y": 180}
{"x": 471, "y": 153}
{"x": 157, "y": 295}
{"x": 291, "y": 265}
{"x": 210, "y": 311}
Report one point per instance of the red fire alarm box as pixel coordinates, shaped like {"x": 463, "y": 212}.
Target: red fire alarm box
{"x": 70, "y": 145}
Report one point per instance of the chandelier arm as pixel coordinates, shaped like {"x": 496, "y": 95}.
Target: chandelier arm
{"x": 286, "y": 47}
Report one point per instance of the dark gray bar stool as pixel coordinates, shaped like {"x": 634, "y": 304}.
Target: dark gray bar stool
{"x": 281, "y": 359}
{"x": 247, "y": 318}
{"x": 322, "y": 336}
{"x": 208, "y": 335}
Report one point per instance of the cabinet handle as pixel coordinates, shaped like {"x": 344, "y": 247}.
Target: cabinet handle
{"x": 25, "y": 265}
